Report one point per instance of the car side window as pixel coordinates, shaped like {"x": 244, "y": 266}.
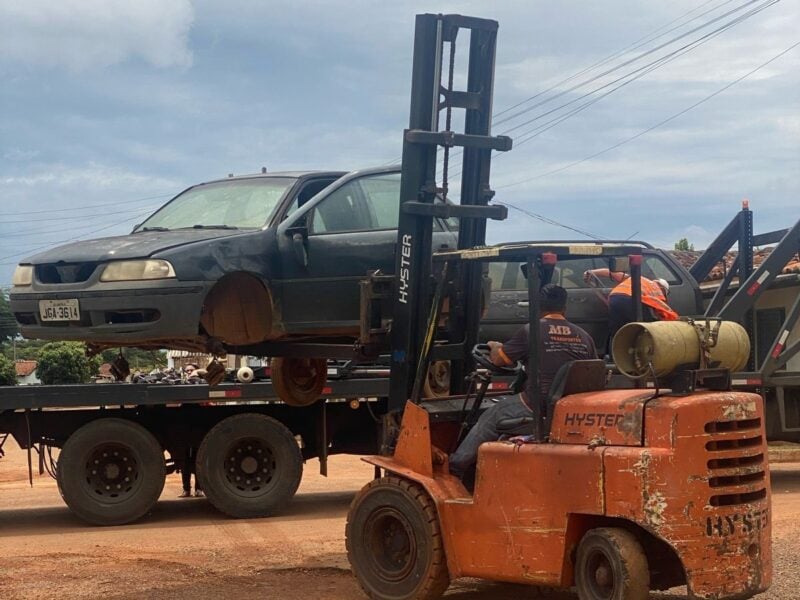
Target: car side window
{"x": 656, "y": 268}
{"x": 382, "y": 197}
{"x": 310, "y": 189}
{"x": 367, "y": 203}
{"x": 343, "y": 210}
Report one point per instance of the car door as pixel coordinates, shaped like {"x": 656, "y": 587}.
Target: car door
{"x": 329, "y": 247}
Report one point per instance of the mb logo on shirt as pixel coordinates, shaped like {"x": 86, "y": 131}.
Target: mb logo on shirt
{"x": 560, "y": 330}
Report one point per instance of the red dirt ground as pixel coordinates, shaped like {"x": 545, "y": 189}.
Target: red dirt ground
{"x": 186, "y": 549}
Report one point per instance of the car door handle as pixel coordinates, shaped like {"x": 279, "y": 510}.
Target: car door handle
{"x": 523, "y": 304}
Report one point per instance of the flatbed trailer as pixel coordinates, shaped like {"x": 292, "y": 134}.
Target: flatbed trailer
{"x": 133, "y": 424}
{"x": 200, "y": 428}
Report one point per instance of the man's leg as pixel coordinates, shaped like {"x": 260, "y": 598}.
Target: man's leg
{"x": 485, "y": 430}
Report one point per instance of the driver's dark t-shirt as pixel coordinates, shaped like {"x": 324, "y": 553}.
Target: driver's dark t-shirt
{"x": 561, "y": 342}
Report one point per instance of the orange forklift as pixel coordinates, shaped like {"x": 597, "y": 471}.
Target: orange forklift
{"x": 614, "y": 492}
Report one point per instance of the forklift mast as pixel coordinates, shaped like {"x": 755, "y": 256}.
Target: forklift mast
{"x": 434, "y": 55}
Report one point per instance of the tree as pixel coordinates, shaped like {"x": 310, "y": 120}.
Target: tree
{"x": 8, "y": 374}
{"x": 65, "y": 362}
{"x": 138, "y": 359}
{"x": 8, "y": 324}
{"x": 683, "y": 244}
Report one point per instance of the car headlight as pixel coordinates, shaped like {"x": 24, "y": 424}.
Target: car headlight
{"x": 134, "y": 270}
{"x": 23, "y": 275}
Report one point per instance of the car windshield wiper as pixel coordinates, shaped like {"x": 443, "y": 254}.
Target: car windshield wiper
{"x": 152, "y": 229}
{"x": 201, "y": 226}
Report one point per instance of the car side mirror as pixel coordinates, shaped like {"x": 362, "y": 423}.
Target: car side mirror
{"x": 299, "y": 237}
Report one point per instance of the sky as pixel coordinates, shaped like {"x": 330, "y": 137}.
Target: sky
{"x": 110, "y": 107}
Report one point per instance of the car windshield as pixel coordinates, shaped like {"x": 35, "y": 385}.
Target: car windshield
{"x": 234, "y": 204}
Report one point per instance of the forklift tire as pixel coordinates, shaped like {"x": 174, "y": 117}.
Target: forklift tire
{"x": 249, "y": 465}
{"x": 611, "y": 565}
{"x": 111, "y": 472}
{"x": 298, "y": 381}
{"x": 394, "y": 542}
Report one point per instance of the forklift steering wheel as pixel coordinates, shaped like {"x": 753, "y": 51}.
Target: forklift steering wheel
{"x": 482, "y": 355}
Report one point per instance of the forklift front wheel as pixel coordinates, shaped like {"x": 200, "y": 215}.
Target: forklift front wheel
{"x": 394, "y": 542}
{"x": 611, "y": 565}
{"x": 298, "y": 381}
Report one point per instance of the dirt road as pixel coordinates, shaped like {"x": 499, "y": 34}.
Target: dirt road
{"x": 185, "y": 549}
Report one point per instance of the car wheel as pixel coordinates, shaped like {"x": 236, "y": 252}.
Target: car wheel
{"x": 111, "y": 472}
{"x": 299, "y": 381}
{"x": 249, "y": 465}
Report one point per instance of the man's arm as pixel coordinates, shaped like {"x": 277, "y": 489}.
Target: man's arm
{"x": 497, "y": 355}
{"x": 617, "y": 276}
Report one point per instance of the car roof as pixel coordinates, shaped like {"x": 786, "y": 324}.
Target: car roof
{"x": 270, "y": 174}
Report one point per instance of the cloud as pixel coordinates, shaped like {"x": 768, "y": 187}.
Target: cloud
{"x": 88, "y": 34}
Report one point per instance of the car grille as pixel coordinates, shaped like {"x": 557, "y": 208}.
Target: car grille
{"x": 65, "y": 272}
{"x": 735, "y": 462}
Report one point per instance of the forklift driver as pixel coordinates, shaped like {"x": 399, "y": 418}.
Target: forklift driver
{"x": 561, "y": 342}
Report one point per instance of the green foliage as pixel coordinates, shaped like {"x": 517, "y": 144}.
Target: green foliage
{"x": 683, "y": 244}
{"x": 65, "y": 362}
{"x": 22, "y": 349}
{"x": 8, "y": 325}
{"x": 8, "y": 374}
{"x": 138, "y": 359}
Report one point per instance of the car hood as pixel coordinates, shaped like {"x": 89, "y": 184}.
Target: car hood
{"x": 135, "y": 245}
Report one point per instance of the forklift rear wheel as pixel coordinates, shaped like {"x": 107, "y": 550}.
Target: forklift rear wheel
{"x": 299, "y": 381}
{"x": 611, "y": 565}
{"x": 394, "y": 542}
{"x": 111, "y": 472}
{"x": 249, "y": 465}
{"x": 437, "y": 382}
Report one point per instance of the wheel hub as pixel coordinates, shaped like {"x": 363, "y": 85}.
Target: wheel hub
{"x": 601, "y": 578}
{"x": 391, "y": 543}
{"x": 112, "y": 472}
{"x": 249, "y": 466}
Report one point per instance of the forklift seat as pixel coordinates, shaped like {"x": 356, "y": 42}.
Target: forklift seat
{"x": 574, "y": 377}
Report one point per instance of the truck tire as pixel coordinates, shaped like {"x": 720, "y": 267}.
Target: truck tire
{"x": 611, "y": 565}
{"x": 298, "y": 381}
{"x": 111, "y": 472}
{"x": 394, "y": 542}
{"x": 249, "y": 465}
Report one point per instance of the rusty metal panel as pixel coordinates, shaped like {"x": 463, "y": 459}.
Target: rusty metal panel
{"x": 608, "y": 418}
{"x": 514, "y": 528}
{"x": 414, "y": 448}
{"x": 702, "y": 486}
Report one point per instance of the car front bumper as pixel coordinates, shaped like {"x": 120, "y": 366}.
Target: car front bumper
{"x": 125, "y": 313}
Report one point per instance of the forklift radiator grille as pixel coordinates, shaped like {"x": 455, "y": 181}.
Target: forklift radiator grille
{"x": 735, "y": 462}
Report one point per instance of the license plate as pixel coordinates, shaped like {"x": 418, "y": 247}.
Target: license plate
{"x": 59, "y": 310}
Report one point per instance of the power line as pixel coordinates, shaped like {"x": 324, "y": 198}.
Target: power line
{"x": 549, "y": 220}
{"x": 657, "y": 125}
{"x": 626, "y": 79}
{"x": 88, "y": 206}
{"x": 3, "y": 258}
{"x": 639, "y": 73}
{"x": 624, "y": 64}
{"x": 632, "y": 46}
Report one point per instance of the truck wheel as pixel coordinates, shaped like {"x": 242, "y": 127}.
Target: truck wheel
{"x": 611, "y": 565}
{"x": 111, "y": 472}
{"x": 249, "y": 465}
{"x": 394, "y": 542}
{"x": 437, "y": 382}
{"x": 298, "y": 381}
